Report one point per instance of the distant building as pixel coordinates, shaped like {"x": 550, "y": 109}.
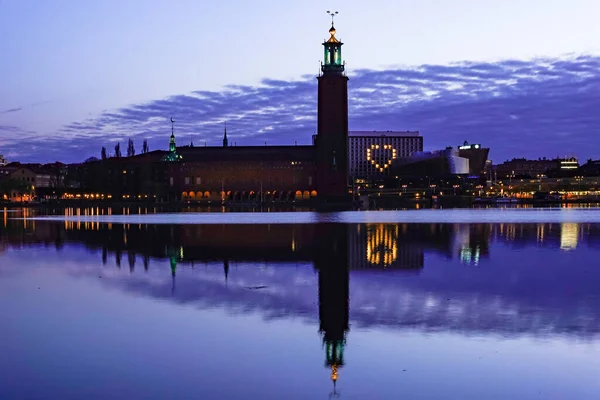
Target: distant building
{"x": 591, "y": 168}
{"x": 569, "y": 163}
{"x": 3, "y": 161}
{"x": 521, "y": 167}
{"x": 372, "y": 153}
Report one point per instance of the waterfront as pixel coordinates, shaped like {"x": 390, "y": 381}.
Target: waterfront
{"x": 425, "y": 304}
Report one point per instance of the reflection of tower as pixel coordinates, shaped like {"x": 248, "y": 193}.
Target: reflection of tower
{"x": 331, "y": 260}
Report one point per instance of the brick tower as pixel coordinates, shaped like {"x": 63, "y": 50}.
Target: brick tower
{"x": 332, "y": 123}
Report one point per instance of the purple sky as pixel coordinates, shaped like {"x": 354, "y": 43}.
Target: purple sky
{"x": 520, "y": 77}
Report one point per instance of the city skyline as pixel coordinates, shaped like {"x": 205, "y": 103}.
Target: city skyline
{"x": 469, "y": 78}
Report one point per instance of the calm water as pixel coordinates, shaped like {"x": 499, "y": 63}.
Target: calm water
{"x": 271, "y": 309}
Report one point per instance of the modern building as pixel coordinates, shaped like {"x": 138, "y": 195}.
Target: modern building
{"x": 372, "y": 153}
{"x": 477, "y": 156}
{"x": 439, "y": 163}
{"x": 465, "y": 160}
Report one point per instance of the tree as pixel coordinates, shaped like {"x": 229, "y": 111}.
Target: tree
{"x": 145, "y": 147}
{"x": 130, "y": 149}
{"x": 103, "y": 153}
{"x": 118, "y": 150}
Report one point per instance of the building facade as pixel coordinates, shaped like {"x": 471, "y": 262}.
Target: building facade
{"x": 372, "y": 154}
{"x": 244, "y": 173}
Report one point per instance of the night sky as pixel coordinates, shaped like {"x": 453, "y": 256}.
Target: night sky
{"x": 519, "y": 77}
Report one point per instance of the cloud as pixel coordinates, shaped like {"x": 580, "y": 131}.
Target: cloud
{"x": 531, "y": 108}
{"x": 10, "y": 110}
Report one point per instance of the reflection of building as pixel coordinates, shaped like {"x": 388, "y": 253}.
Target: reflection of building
{"x": 473, "y": 243}
{"x": 380, "y": 246}
{"x": 371, "y": 154}
{"x": 569, "y": 236}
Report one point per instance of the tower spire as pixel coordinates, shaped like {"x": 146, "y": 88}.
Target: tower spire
{"x": 332, "y": 59}
{"x": 172, "y": 145}
{"x": 172, "y": 155}
{"x": 332, "y": 14}
{"x": 225, "y": 141}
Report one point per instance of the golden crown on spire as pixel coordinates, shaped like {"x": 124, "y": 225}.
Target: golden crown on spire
{"x": 332, "y": 31}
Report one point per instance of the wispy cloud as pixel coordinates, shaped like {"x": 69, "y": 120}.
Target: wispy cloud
{"x": 11, "y": 110}
{"x": 539, "y": 107}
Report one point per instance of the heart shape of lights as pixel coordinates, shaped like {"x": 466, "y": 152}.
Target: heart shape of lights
{"x": 381, "y": 156}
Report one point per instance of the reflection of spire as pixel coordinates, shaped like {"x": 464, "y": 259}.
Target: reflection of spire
{"x": 173, "y": 262}
{"x": 334, "y": 377}
{"x": 226, "y": 269}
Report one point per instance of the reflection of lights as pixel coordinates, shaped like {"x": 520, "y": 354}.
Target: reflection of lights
{"x": 470, "y": 256}
{"x": 569, "y": 235}
{"x": 382, "y": 244}
{"x": 541, "y": 230}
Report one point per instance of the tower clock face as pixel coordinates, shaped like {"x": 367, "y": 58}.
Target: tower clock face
{"x": 381, "y": 156}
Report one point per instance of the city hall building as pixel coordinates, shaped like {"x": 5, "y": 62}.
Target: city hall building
{"x": 244, "y": 173}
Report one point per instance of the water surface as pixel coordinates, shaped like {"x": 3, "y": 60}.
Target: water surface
{"x": 275, "y": 310}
